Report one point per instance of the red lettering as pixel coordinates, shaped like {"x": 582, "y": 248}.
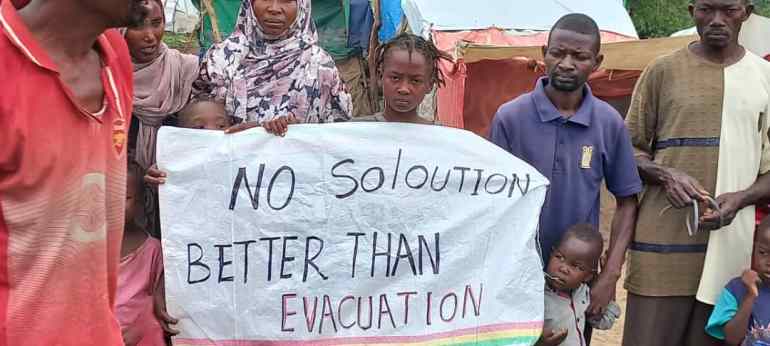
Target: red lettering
{"x": 326, "y": 311}
{"x": 285, "y": 313}
{"x": 310, "y": 322}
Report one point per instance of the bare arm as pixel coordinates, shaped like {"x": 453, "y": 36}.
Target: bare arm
{"x": 623, "y": 223}
{"x": 161, "y": 313}
{"x": 650, "y": 172}
{"x": 680, "y": 188}
{"x": 735, "y": 330}
{"x": 758, "y": 191}
{"x": 731, "y": 203}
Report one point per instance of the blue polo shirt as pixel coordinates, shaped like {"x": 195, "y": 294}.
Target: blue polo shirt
{"x": 576, "y": 154}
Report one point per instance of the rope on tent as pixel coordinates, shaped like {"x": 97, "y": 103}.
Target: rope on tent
{"x": 209, "y": 10}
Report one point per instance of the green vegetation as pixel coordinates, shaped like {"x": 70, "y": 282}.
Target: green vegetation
{"x": 657, "y": 18}
{"x": 186, "y": 43}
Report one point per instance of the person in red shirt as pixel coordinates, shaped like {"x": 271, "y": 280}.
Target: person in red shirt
{"x": 19, "y": 3}
{"x": 65, "y": 103}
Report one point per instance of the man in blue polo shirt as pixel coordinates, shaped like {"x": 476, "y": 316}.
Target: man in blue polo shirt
{"x": 576, "y": 141}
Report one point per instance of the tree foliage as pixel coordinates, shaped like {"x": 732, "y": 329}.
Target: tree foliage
{"x": 658, "y": 18}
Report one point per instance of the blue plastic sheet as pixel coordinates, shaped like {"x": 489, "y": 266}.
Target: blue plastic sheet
{"x": 391, "y": 14}
{"x": 361, "y": 21}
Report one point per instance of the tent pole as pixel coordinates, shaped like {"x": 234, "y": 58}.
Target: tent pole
{"x": 209, "y": 8}
{"x": 374, "y": 43}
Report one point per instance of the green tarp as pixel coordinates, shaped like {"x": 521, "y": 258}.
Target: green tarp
{"x": 227, "y": 14}
{"x": 331, "y": 18}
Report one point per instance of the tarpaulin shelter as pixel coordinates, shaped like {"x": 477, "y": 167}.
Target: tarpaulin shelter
{"x": 457, "y": 15}
{"x": 391, "y": 15}
{"x": 181, "y": 16}
{"x": 497, "y": 46}
{"x": 344, "y": 31}
{"x": 344, "y": 26}
{"x": 218, "y": 17}
{"x": 486, "y": 76}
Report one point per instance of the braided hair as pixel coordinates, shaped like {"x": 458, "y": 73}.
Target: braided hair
{"x": 412, "y": 43}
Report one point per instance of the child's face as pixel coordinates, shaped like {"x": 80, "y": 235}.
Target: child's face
{"x": 131, "y": 197}
{"x": 207, "y": 116}
{"x": 571, "y": 264}
{"x": 761, "y": 259}
{"x": 406, "y": 78}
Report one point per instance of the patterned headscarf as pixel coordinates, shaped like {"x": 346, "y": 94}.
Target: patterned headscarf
{"x": 261, "y": 78}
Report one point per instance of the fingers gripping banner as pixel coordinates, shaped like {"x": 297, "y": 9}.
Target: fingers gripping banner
{"x": 349, "y": 234}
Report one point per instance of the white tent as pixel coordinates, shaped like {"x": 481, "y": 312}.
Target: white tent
{"x": 753, "y": 35}
{"x": 448, "y": 15}
{"x": 181, "y": 16}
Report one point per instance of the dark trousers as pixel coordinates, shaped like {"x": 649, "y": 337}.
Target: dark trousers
{"x": 667, "y": 321}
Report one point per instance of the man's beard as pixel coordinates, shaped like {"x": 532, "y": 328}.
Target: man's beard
{"x": 565, "y": 86}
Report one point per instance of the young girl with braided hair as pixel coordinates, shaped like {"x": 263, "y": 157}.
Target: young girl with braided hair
{"x": 407, "y": 70}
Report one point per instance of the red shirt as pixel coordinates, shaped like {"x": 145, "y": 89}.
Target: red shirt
{"x": 19, "y": 3}
{"x": 62, "y": 194}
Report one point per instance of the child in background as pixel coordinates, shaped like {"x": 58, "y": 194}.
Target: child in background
{"x": 140, "y": 302}
{"x": 407, "y": 70}
{"x": 572, "y": 265}
{"x": 742, "y": 313}
{"x": 201, "y": 114}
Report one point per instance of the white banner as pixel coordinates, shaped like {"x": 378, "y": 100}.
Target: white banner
{"x": 365, "y": 233}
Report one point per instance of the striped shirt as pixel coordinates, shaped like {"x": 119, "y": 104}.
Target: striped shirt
{"x": 62, "y": 194}
{"x": 709, "y": 121}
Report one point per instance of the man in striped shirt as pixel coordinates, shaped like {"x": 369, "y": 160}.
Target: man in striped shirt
{"x": 65, "y": 103}
{"x": 698, "y": 121}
